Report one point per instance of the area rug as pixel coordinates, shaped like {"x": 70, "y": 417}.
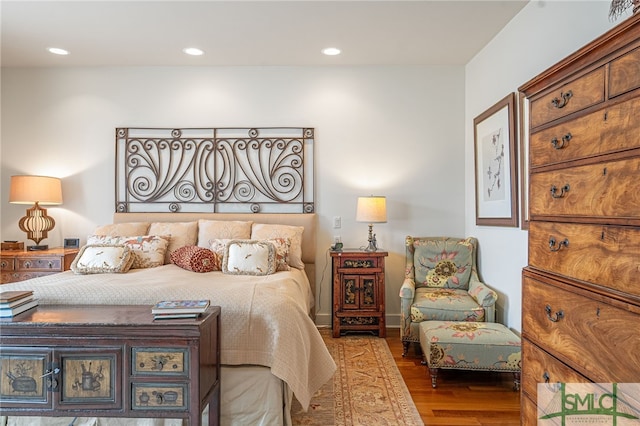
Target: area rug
{"x": 367, "y": 389}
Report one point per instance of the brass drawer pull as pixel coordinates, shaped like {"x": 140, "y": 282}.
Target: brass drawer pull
{"x": 561, "y": 103}
{"x": 565, "y": 139}
{"x": 558, "y": 315}
{"x": 554, "y": 245}
{"x": 563, "y": 191}
{"x": 27, "y": 264}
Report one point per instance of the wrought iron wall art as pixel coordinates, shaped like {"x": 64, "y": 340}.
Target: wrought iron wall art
{"x": 221, "y": 170}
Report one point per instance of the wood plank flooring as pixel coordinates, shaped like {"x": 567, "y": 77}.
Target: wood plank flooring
{"x": 462, "y": 397}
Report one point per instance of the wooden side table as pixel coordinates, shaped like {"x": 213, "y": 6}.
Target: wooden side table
{"x": 20, "y": 265}
{"x": 358, "y": 291}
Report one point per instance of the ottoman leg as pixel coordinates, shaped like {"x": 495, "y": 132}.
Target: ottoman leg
{"x": 516, "y": 381}
{"x": 434, "y": 377}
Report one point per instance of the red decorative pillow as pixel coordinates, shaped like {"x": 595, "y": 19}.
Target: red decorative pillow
{"x": 196, "y": 259}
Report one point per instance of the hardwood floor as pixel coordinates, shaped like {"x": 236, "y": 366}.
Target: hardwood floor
{"x": 462, "y": 397}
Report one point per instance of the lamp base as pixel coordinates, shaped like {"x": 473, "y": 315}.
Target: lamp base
{"x": 38, "y": 248}
{"x": 371, "y": 247}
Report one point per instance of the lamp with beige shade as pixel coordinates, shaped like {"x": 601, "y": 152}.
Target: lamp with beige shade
{"x": 372, "y": 209}
{"x": 36, "y": 190}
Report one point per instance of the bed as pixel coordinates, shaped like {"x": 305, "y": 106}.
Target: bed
{"x": 271, "y": 350}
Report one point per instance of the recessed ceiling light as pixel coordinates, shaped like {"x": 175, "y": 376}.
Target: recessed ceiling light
{"x": 193, "y": 51}
{"x": 331, "y": 51}
{"x": 58, "y": 51}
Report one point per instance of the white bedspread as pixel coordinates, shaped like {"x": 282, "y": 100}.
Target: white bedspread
{"x": 264, "y": 318}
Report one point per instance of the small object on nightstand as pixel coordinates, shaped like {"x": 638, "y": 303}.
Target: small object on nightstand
{"x": 12, "y": 245}
{"x": 336, "y": 247}
{"x": 71, "y": 243}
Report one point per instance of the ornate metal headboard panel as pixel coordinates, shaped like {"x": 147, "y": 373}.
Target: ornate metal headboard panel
{"x": 220, "y": 170}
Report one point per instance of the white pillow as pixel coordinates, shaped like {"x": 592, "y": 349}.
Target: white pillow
{"x": 264, "y": 231}
{"x": 102, "y": 259}
{"x": 127, "y": 228}
{"x": 249, "y": 257}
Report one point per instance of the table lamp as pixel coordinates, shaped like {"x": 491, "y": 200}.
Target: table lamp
{"x": 36, "y": 190}
{"x": 372, "y": 209}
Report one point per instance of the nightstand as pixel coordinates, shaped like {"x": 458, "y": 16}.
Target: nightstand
{"x": 358, "y": 291}
{"x": 20, "y": 265}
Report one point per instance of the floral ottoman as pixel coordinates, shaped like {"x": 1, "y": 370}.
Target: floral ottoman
{"x": 463, "y": 345}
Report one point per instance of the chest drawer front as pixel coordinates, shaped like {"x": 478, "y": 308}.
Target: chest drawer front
{"x": 600, "y": 254}
{"x": 610, "y": 189}
{"x": 582, "y": 332}
{"x": 540, "y": 367}
{"x": 39, "y": 264}
{"x": 569, "y": 98}
{"x": 598, "y": 133}
{"x": 6, "y": 264}
{"x": 624, "y": 73}
{"x": 160, "y": 361}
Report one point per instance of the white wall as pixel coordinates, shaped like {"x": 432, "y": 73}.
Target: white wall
{"x": 394, "y": 131}
{"x": 543, "y": 33}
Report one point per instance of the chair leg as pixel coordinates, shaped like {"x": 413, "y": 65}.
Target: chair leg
{"x": 434, "y": 377}
{"x": 516, "y": 381}
{"x": 405, "y": 348}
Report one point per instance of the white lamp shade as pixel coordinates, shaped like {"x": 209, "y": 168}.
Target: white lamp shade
{"x": 32, "y": 189}
{"x": 372, "y": 209}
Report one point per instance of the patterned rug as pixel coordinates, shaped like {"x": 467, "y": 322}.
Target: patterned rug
{"x": 367, "y": 388}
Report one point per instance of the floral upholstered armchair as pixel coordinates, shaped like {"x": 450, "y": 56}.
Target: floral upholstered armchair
{"x": 441, "y": 283}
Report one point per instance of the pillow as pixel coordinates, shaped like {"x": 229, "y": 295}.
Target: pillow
{"x": 116, "y": 229}
{"x": 215, "y": 229}
{"x": 182, "y": 234}
{"x": 149, "y": 250}
{"x": 281, "y": 245}
{"x": 262, "y": 231}
{"x": 102, "y": 259}
{"x": 196, "y": 259}
{"x": 444, "y": 262}
{"x": 249, "y": 257}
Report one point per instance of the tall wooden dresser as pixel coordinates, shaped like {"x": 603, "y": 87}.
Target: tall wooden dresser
{"x": 581, "y": 288}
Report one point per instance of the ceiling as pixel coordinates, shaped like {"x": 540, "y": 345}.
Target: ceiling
{"x": 251, "y": 33}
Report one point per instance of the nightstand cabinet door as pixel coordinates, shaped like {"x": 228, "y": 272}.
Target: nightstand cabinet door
{"x": 358, "y": 292}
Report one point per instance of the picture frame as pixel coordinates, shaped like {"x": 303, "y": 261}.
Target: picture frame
{"x": 523, "y": 121}
{"x": 496, "y": 164}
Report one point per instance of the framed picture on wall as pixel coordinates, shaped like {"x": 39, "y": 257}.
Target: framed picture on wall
{"x": 496, "y": 164}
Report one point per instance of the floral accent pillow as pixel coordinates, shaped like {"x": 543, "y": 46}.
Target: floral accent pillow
{"x": 263, "y": 231}
{"x": 196, "y": 259}
{"x": 102, "y": 259}
{"x": 249, "y": 257}
{"x": 181, "y": 233}
{"x": 149, "y": 250}
{"x": 443, "y": 263}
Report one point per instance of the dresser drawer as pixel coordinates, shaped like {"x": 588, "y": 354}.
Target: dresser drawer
{"x": 39, "y": 264}
{"x": 599, "y": 340}
{"x": 573, "y": 96}
{"x": 599, "y": 254}
{"x": 624, "y": 73}
{"x": 540, "y": 367}
{"x": 600, "y": 132}
{"x": 609, "y": 189}
{"x": 7, "y": 264}
{"x": 160, "y": 361}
